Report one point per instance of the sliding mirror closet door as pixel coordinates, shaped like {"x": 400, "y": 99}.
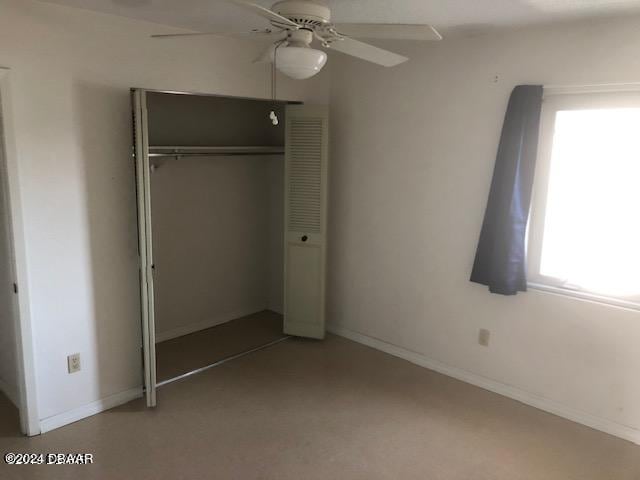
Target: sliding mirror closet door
{"x": 306, "y": 174}
{"x": 145, "y": 251}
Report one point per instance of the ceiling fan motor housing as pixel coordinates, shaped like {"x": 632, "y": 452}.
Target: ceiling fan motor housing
{"x": 304, "y": 13}
{"x": 300, "y": 38}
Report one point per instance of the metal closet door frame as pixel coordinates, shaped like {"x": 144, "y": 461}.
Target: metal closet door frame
{"x": 145, "y": 241}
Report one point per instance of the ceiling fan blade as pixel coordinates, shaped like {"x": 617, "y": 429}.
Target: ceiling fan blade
{"x": 367, "y": 52}
{"x": 278, "y": 20}
{"x": 251, "y": 34}
{"x": 389, "y": 31}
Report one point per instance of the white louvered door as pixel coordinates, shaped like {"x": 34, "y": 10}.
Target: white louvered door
{"x": 306, "y": 174}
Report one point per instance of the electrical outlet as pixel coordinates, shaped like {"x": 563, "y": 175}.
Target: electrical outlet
{"x": 483, "y": 337}
{"x": 73, "y": 363}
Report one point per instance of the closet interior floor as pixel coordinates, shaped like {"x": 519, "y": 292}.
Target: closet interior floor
{"x": 184, "y": 354}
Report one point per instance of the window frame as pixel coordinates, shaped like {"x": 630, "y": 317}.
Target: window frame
{"x": 554, "y": 100}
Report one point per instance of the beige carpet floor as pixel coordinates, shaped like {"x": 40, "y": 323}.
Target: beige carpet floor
{"x": 306, "y": 410}
{"x": 199, "y": 349}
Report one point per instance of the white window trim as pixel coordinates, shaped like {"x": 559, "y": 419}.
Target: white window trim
{"x": 556, "y": 97}
{"x": 584, "y": 295}
{"x": 551, "y": 90}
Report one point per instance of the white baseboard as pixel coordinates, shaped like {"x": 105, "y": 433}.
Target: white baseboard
{"x": 11, "y": 393}
{"x": 196, "y": 327}
{"x": 602, "y": 424}
{"x": 62, "y": 419}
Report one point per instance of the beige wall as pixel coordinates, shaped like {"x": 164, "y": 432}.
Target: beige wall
{"x": 71, "y": 71}
{"x": 413, "y": 155}
{"x": 275, "y": 175}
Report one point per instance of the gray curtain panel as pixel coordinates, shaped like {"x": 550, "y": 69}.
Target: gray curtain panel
{"x": 500, "y": 261}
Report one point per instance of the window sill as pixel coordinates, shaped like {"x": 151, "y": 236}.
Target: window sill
{"x": 610, "y": 301}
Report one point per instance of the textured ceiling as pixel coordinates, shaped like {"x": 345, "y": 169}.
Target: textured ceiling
{"x": 448, "y": 15}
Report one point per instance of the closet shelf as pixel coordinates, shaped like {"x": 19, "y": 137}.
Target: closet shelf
{"x": 190, "y": 151}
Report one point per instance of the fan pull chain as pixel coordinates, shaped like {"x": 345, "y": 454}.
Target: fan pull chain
{"x": 273, "y": 74}
{"x": 272, "y": 114}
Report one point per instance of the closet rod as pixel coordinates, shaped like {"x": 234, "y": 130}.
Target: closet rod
{"x": 212, "y": 154}
{"x": 185, "y": 151}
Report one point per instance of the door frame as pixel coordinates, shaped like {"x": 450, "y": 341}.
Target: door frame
{"x": 24, "y": 338}
{"x": 145, "y": 243}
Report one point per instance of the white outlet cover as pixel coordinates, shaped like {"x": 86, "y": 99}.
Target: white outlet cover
{"x": 73, "y": 363}
{"x": 483, "y": 337}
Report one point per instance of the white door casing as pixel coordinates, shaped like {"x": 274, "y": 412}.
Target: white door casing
{"x": 24, "y": 338}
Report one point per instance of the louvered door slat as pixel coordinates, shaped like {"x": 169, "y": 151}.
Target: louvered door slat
{"x": 305, "y": 150}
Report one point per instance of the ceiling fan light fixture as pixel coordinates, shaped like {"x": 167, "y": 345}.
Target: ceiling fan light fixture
{"x": 296, "y": 24}
{"x": 300, "y": 62}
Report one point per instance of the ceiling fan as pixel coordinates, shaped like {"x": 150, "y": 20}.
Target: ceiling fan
{"x": 297, "y": 23}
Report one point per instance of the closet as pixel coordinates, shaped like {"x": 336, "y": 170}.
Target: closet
{"x": 232, "y": 214}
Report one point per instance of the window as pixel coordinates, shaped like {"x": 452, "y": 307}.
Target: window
{"x": 584, "y": 234}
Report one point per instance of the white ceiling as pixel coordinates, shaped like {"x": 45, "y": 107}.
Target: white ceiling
{"x": 448, "y": 15}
